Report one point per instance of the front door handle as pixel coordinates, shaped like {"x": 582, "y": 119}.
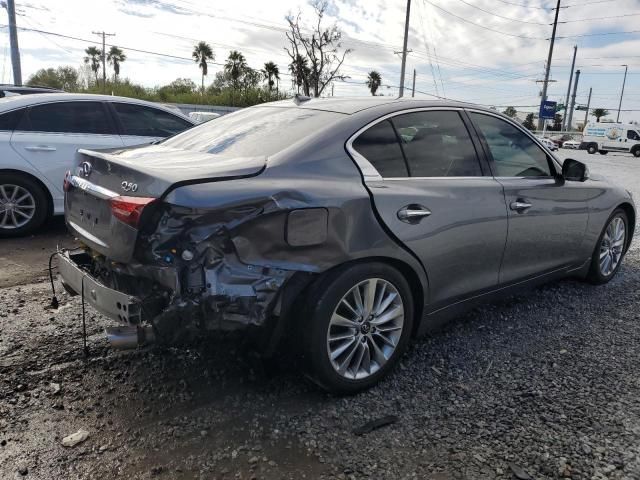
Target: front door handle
{"x": 413, "y": 213}
{"x": 40, "y": 148}
{"x": 520, "y": 205}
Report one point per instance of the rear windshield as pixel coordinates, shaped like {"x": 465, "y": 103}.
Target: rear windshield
{"x": 254, "y": 131}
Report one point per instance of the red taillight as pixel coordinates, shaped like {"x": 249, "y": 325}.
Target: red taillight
{"x": 129, "y": 209}
{"x": 66, "y": 183}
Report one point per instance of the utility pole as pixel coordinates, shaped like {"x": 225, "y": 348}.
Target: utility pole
{"x": 413, "y": 88}
{"x": 626, "y": 67}
{"x": 546, "y": 73}
{"x": 104, "y": 58}
{"x": 586, "y": 115}
{"x": 573, "y": 99}
{"x": 404, "y": 48}
{"x": 566, "y": 103}
{"x": 13, "y": 40}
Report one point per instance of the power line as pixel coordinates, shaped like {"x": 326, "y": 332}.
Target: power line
{"x": 500, "y": 16}
{"x": 482, "y": 26}
{"x": 521, "y": 5}
{"x": 600, "y": 33}
{"x": 600, "y": 18}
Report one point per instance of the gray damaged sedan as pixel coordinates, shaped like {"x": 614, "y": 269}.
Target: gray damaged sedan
{"x": 346, "y": 227}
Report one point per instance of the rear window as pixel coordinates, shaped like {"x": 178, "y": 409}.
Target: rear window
{"x": 261, "y": 131}
{"x": 66, "y": 117}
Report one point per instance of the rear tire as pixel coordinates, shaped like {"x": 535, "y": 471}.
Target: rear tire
{"x": 351, "y": 345}
{"x": 610, "y": 249}
{"x": 603, "y": 152}
{"x": 24, "y": 205}
{"x": 591, "y": 149}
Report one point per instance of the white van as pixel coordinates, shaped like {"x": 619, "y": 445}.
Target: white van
{"x": 611, "y": 137}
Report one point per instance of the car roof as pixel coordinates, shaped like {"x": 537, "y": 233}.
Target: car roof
{"x": 19, "y": 101}
{"x": 351, "y": 105}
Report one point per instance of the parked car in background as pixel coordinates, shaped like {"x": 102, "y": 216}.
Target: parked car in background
{"x": 348, "y": 225}
{"x": 611, "y": 137}
{"x": 39, "y": 138}
{"x": 201, "y": 117}
{"x": 571, "y": 144}
{"x": 550, "y": 144}
{"x": 8, "y": 90}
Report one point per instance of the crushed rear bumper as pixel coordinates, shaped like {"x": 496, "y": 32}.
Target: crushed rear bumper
{"x": 76, "y": 278}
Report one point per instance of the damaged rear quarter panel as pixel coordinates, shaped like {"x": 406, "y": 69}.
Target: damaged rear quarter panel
{"x": 240, "y": 232}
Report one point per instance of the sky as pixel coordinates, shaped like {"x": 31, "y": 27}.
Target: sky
{"x": 489, "y": 52}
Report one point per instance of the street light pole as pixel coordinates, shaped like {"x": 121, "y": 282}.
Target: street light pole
{"x": 626, "y": 67}
{"x": 566, "y": 103}
{"x": 13, "y": 41}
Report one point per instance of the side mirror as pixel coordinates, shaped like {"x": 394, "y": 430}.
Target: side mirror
{"x": 574, "y": 171}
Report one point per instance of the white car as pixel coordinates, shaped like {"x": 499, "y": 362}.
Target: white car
{"x": 39, "y": 138}
{"x": 548, "y": 143}
{"x": 572, "y": 144}
{"x": 201, "y": 117}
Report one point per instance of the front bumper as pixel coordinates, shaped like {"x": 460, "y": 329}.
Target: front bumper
{"x": 76, "y": 277}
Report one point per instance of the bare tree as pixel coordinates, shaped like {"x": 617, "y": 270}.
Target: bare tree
{"x": 320, "y": 46}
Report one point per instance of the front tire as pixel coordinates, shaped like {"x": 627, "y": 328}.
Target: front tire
{"x": 636, "y": 153}
{"x": 23, "y": 205}
{"x": 591, "y": 149}
{"x": 610, "y": 249}
{"x": 361, "y": 321}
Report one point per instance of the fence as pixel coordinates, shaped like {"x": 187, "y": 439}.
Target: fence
{"x": 187, "y": 107}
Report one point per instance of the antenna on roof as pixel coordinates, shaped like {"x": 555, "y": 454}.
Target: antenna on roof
{"x": 298, "y": 99}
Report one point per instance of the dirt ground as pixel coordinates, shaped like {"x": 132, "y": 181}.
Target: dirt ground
{"x": 542, "y": 385}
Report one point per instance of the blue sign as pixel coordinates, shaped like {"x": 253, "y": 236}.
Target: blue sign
{"x": 548, "y": 110}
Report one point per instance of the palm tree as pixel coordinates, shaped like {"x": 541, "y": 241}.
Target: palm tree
{"x": 236, "y": 66}
{"x": 300, "y": 72}
{"x": 93, "y": 58}
{"x": 201, "y": 53}
{"x": 115, "y": 57}
{"x": 373, "y": 81}
{"x": 271, "y": 71}
{"x": 599, "y": 113}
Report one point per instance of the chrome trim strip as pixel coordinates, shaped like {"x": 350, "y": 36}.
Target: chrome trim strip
{"x": 93, "y": 189}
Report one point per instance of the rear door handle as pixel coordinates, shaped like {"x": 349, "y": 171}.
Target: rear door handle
{"x": 413, "y": 213}
{"x": 40, "y": 148}
{"x": 520, "y": 205}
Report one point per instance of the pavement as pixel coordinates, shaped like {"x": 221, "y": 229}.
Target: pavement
{"x": 542, "y": 385}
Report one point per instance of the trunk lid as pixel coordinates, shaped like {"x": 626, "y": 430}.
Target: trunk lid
{"x": 149, "y": 172}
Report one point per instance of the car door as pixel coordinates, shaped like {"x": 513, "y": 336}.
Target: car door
{"x": 547, "y": 216}
{"x": 142, "y": 124}
{"x": 49, "y": 135}
{"x": 429, "y": 189}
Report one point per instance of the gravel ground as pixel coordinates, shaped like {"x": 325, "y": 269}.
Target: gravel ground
{"x": 543, "y": 385}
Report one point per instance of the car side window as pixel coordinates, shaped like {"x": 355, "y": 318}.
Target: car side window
{"x": 514, "y": 153}
{"x": 144, "y": 121}
{"x": 66, "y": 117}
{"x": 633, "y": 135}
{"x": 9, "y": 121}
{"x": 437, "y": 144}
{"x": 379, "y": 145}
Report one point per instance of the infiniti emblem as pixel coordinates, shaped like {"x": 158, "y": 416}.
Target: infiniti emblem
{"x": 85, "y": 168}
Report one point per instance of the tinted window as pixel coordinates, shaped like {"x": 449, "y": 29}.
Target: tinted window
{"x": 633, "y": 135}
{"x": 437, "y": 144}
{"x": 379, "y": 145}
{"x": 255, "y": 131}
{"x": 514, "y": 153}
{"x": 9, "y": 120}
{"x": 67, "y": 117}
{"x": 149, "y": 122}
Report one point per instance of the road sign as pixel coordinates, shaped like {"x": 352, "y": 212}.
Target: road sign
{"x": 548, "y": 110}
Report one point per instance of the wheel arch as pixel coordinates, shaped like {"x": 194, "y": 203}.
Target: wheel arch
{"x": 40, "y": 183}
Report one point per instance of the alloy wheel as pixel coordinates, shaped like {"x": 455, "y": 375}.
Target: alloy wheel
{"x": 612, "y": 246}
{"x": 365, "y": 328}
{"x": 17, "y": 206}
